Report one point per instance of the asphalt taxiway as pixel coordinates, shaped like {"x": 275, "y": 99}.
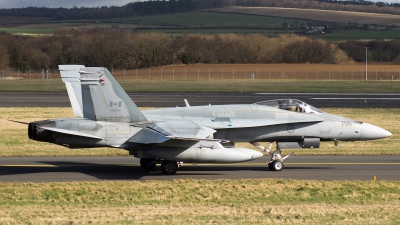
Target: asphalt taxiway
{"x": 319, "y": 100}
{"x": 63, "y": 169}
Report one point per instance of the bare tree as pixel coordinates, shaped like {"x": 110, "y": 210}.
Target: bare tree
{"x": 4, "y": 59}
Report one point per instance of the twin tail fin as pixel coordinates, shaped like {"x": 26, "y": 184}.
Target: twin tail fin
{"x": 100, "y": 97}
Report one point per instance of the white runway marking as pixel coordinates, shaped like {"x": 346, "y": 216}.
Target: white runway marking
{"x": 356, "y": 98}
{"x": 374, "y": 94}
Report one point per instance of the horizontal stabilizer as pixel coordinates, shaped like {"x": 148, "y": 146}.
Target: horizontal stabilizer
{"x": 71, "y": 132}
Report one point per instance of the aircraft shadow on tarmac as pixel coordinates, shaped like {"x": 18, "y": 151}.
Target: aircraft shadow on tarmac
{"x": 135, "y": 172}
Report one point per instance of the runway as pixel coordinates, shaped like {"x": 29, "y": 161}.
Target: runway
{"x": 319, "y": 100}
{"x": 63, "y": 169}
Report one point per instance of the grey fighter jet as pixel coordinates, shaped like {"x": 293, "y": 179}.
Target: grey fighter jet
{"x": 107, "y": 117}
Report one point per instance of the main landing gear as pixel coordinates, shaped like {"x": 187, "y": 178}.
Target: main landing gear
{"x": 167, "y": 167}
{"x": 147, "y": 164}
{"x": 276, "y": 162}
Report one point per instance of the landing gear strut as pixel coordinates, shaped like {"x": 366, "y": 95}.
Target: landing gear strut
{"x": 147, "y": 163}
{"x": 276, "y": 162}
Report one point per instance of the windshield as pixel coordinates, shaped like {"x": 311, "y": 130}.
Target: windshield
{"x": 291, "y": 105}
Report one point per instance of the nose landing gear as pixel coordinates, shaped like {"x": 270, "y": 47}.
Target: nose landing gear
{"x": 275, "y": 165}
{"x": 276, "y": 162}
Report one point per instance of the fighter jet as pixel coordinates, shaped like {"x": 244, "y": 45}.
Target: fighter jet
{"x": 107, "y": 117}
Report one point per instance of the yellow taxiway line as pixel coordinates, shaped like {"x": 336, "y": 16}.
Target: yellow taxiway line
{"x": 202, "y": 164}
{"x": 26, "y": 165}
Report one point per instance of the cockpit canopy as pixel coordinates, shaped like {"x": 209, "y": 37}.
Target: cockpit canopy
{"x": 290, "y": 105}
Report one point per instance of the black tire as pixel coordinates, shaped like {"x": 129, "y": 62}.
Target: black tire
{"x": 276, "y": 165}
{"x": 270, "y": 166}
{"x": 169, "y": 167}
{"x": 147, "y": 163}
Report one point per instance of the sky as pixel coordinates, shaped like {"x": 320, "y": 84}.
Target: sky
{"x": 389, "y": 1}
{"x": 61, "y": 3}
{"x": 79, "y": 3}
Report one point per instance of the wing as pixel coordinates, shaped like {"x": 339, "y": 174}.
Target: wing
{"x": 160, "y": 132}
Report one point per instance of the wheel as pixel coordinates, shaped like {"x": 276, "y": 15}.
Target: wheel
{"x": 147, "y": 163}
{"x": 169, "y": 167}
{"x": 276, "y": 165}
{"x": 270, "y": 166}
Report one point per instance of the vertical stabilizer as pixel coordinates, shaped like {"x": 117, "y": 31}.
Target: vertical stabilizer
{"x": 104, "y": 99}
{"x": 71, "y": 77}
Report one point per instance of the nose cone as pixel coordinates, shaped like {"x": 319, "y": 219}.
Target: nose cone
{"x": 372, "y": 132}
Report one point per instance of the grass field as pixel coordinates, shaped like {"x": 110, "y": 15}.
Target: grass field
{"x": 363, "y": 35}
{"x": 176, "y": 24}
{"x": 40, "y": 27}
{"x": 240, "y": 20}
{"x": 207, "y": 19}
{"x": 328, "y": 16}
{"x": 262, "y": 201}
{"x": 216, "y": 86}
{"x": 322, "y": 15}
{"x": 15, "y": 141}
{"x": 27, "y": 30}
{"x": 267, "y": 72}
{"x": 342, "y": 35}
{"x": 298, "y": 78}
{"x": 214, "y": 31}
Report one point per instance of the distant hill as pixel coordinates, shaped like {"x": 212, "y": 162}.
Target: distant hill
{"x": 155, "y": 7}
{"x": 331, "y": 16}
{"x": 131, "y": 9}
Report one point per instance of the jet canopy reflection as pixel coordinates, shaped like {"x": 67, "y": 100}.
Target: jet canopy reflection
{"x": 290, "y": 105}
